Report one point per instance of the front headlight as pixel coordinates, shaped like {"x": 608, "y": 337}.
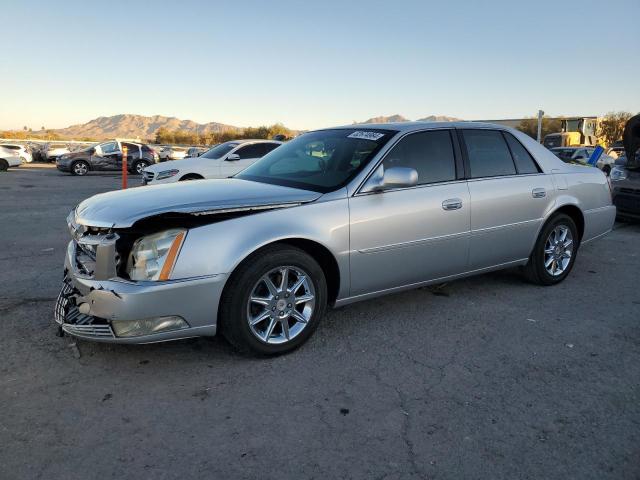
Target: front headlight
{"x": 152, "y": 257}
{"x": 167, "y": 174}
{"x": 617, "y": 174}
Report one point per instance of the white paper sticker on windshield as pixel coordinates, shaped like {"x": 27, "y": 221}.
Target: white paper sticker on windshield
{"x": 366, "y": 135}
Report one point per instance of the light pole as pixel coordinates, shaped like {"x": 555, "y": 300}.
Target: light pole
{"x": 540, "y": 115}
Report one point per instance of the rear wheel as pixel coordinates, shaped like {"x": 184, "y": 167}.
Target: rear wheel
{"x": 79, "y": 168}
{"x": 273, "y": 301}
{"x": 555, "y": 251}
{"x": 4, "y": 165}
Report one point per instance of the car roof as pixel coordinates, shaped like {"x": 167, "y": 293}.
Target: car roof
{"x": 412, "y": 126}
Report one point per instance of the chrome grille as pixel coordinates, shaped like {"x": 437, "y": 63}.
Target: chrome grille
{"x": 100, "y": 331}
{"x": 68, "y": 316}
{"x": 148, "y": 176}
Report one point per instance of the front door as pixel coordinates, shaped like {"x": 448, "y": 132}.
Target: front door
{"x": 107, "y": 156}
{"x": 405, "y": 236}
{"x": 248, "y": 154}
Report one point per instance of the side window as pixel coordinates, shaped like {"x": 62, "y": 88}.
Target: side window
{"x": 250, "y": 151}
{"x": 429, "y": 153}
{"x": 488, "y": 153}
{"x": 109, "y": 147}
{"x": 269, "y": 146}
{"x": 524, "y": 162}
{"x": 132, "y": 150}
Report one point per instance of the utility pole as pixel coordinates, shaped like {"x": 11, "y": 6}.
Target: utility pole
{"x": 540, "y": 115}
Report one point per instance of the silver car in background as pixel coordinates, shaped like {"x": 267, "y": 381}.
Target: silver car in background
{"x": 332, "y": 217}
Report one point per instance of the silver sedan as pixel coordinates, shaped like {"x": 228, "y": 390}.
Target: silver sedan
{"x": 332, "y": 217}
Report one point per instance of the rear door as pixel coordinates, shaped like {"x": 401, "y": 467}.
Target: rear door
{"x": 509, "y": 197}
{"x": 405, "y": 236}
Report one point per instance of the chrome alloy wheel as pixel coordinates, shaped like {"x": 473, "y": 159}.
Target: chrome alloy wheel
{"x": 558, "y": 250}
{"x": 140, "y": 166}
{"x": 80, "y": 168}
{"x": 280, "y": 305}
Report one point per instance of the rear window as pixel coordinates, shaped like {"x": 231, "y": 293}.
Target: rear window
{"x": 489, "y": 154}
{"x": 523, "y": 160}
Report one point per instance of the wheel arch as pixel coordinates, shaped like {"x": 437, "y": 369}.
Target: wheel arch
{"x": 574, "y": 212}
{"x": 315, "y": 250}
{"x": 85, "y": 160}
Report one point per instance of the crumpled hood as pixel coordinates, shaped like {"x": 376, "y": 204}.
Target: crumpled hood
{"x": 122, "y": 208}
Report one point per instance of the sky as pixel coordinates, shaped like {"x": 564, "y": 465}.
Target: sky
{"x": 312, "y": 64}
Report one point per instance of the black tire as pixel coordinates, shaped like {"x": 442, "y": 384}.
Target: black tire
{"x": 79, "y": 168}
{"x": 233, "y": 322}
{"x": 606, "y": 170}
{"x": 191, "y": 176}
{"x": 535, "y": 270}
{"x": 138, "y": 166}
{"x": 4, "y": 165}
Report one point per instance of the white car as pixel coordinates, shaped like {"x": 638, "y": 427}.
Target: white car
{"x": 8, "y": 158}
{"x": 582, "y": 154}
{"x": 20, "y": 150}
{"x": 172, "y": 153}
{"x": 221, "y": 161}
{"x": 55, "y": 150}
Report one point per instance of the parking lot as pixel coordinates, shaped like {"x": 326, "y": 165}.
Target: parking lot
{"x": 488, "y": 377}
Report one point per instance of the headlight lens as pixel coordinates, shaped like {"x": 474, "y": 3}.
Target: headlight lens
{"x": 152, "y": 257}
{"x": 617, "y": 174}
{"x": 167, "y": 174}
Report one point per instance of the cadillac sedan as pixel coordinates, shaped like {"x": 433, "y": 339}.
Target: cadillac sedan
{"x": 333, "y": 217}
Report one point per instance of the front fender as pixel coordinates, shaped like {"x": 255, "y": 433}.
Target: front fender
{"x": 218, "y": 248}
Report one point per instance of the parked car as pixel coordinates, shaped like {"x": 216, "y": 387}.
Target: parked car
{"x": 107, "y": 156}
{"x": 8, "y": 158}
{"x": 332, "y": 217}
{"x": 221, "y": 161}
{"x": 21, "y": 151}
{"x": 625, "y": 183}
{"x": 194, "y": 152}
{"x": 172, "y": 153}
{"x": 54, "y": 150}
{"x": 581, "y": 155}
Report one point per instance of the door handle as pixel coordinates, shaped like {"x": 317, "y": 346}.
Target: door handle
{"x": 538, "y": 193}
{"x": 452, "y": 204}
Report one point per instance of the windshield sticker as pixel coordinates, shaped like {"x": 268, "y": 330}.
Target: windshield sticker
{"x": 366, "y": 135}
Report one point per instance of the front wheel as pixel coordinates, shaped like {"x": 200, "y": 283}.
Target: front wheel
{"x": 139, "y": 167}
{"x": 555, "y": 251}
{"x": 80, "y": 168}
{"x": 274, "y": 301}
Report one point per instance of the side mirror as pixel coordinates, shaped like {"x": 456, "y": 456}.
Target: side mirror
{"x": 92, "y": 151}
{"x": 233, "y": 157}
{"x": 394, "y": 177}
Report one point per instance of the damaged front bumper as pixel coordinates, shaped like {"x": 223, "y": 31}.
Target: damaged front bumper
{"x": 99, "y": 309}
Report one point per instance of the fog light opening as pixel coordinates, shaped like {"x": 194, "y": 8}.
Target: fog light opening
{"x": 148, "y": 326}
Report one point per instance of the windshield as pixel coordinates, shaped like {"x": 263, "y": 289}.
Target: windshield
{"x": 320, "y": 161}
{"x": 220, "y": 151}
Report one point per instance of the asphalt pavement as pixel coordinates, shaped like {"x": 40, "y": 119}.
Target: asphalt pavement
{"x": 488, "y": 377}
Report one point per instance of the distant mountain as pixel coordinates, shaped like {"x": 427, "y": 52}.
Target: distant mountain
{"x": 400, "y": 118}
{"x": 389, "y": 119}
{"x": 439, "y": 118}
{"x": 136, "y": 126}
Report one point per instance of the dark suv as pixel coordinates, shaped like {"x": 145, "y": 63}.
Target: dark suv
{"x": 107, "y": 156}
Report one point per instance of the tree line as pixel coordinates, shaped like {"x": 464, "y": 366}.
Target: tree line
{"x": 610, "y": 127}
{"x": 181, "y": 137}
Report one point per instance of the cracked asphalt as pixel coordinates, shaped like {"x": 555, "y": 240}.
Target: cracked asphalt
{"x": 483, "y": 378}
